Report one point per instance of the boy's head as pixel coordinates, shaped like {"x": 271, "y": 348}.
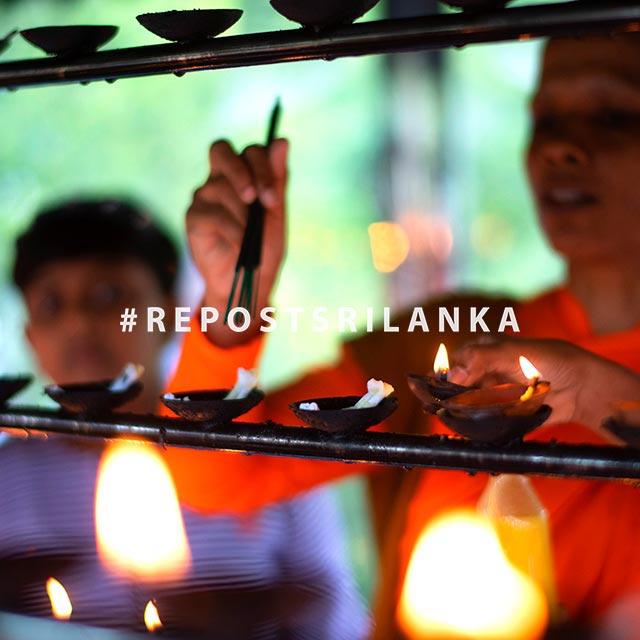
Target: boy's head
{"x": 79, "y": 265}
{"x": 585, "y": 148}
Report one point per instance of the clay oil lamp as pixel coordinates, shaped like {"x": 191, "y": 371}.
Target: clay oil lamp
{"x": 217, "y": 406}
{"x": 319, "y": 14}
{"x": 476, "y": 5}
{"x": 194, "y": 25}
{"x": 9, "y": 386}
{"x": 499, "y": 414}
{"x": 6, "y": 41}
{"x": 94, "y": 398}
{"x": 347, "y": 414}
{"x": 433, "y": 389}
{"x": 624, "y": 422}
{"x": 69, "y": 40}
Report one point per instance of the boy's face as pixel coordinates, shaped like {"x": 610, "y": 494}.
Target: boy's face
{"x": 584, "y": 153}
{"x": 74, "y": 310}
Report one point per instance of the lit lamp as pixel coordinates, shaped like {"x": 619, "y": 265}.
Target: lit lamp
{"x": 151, "y": 617}
{"x": 59, "y": 598}
{"x": 459, "y": 585}
{"x": 431, "y": 390}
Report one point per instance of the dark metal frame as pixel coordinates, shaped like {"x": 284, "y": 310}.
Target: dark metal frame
{"x": 548, "y": 459}
{"x": 364, "y": 38}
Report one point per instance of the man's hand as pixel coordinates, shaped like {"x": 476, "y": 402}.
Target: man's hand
{"x": 583, "y": 385}
{"x": 217, "y": 218}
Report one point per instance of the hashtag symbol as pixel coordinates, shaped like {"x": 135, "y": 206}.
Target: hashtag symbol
{"x": 128, "y": 321}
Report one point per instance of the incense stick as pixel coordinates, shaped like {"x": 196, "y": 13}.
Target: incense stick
{"x": 250, "y": 254}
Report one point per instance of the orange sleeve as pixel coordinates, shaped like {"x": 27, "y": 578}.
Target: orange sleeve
{"x": 216, "y": 481}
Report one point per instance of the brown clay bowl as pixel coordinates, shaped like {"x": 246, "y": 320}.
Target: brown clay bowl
{"x": 91, "y": 398}
{"x": 10, "y": 386}
{"x": 493, "y": 402}
{"x": 210, "y": 406}
{"x": 496, "y": 430}
{"x": 322, "y": 13}
{"x": 192, "y": 25}
{"x": 332, "y": 414}
{"x": 476, "y": 5}
{"x": 69, "y": 40}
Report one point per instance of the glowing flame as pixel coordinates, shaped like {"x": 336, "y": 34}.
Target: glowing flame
{"x": 139, "y": 528}
{"x": 151, "y": 617}
{"x": 60, "y": 603}
{"x": 389, "y": 245}
{"x": 530, "y": 372}
{"x": 460, "y": 585}
{"x": 441, "y": 363}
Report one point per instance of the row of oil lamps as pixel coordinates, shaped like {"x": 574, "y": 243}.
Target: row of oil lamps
{"x": 494, "y": 415}
{"x": 198, "y": 25}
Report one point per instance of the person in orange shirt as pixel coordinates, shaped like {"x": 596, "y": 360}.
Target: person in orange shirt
{"x": 582, "y": 162}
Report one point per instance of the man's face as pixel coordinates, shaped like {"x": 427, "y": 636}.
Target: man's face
{"x": 584, "y": 154}
{"x": 74, "y": 312}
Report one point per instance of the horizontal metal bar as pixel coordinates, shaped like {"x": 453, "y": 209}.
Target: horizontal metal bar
{"x": 548, "y": 459}
{"x": 373, "y": 37}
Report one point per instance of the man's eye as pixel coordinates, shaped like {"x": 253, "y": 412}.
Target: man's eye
{"x": 47, "y": 307}
{"x": 545, "y": 122}
{"x": 104, "y": 296}
{"x": 616, "y": 118}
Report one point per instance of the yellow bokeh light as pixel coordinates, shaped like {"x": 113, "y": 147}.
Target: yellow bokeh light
{"x": 389, "y": 245}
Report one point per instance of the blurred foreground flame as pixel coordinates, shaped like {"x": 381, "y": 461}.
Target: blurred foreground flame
{"x": 460, "y": 585}
{"x": 139, "y": 527}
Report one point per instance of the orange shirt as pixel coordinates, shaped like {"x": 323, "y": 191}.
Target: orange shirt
{"x": 594, "y": 524}
{"x": 216, "y": 481}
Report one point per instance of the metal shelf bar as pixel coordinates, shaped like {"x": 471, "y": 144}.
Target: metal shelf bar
{"x": 364, "y": 38}
{"x": 548, "y": 459}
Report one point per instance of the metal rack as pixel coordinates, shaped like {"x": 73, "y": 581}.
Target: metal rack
{"x": 364, "y": 38}
{"x": 549, "y": 459}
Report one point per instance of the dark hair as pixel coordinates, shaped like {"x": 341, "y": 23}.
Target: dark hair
{"x": 110, "y": 229}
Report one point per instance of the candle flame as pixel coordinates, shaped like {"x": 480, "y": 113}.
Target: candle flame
{"x": 441, "y": 363}
{"x": 530, "y": 372}
{"x": 60, "y": 602}
{"x": 459, "y": 584}
{"x": 151, "y": 617}
{"x": 139, "y": 527}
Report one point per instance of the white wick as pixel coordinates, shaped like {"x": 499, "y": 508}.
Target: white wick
{"x": 130, "y": 374}
{"x": 246, "y": 382}
{"x": 309, "y": 406}
{"x": 377, "y": 390}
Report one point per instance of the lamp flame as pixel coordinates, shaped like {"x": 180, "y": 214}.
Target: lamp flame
{"x": 459, "y": 584}
{"x": 59, "y": 598}
{"x": 530, "y": 372}
{"x": 139, "y": 527}
{"x": 441, "y": 362}
{"x": 151, "y": 617}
